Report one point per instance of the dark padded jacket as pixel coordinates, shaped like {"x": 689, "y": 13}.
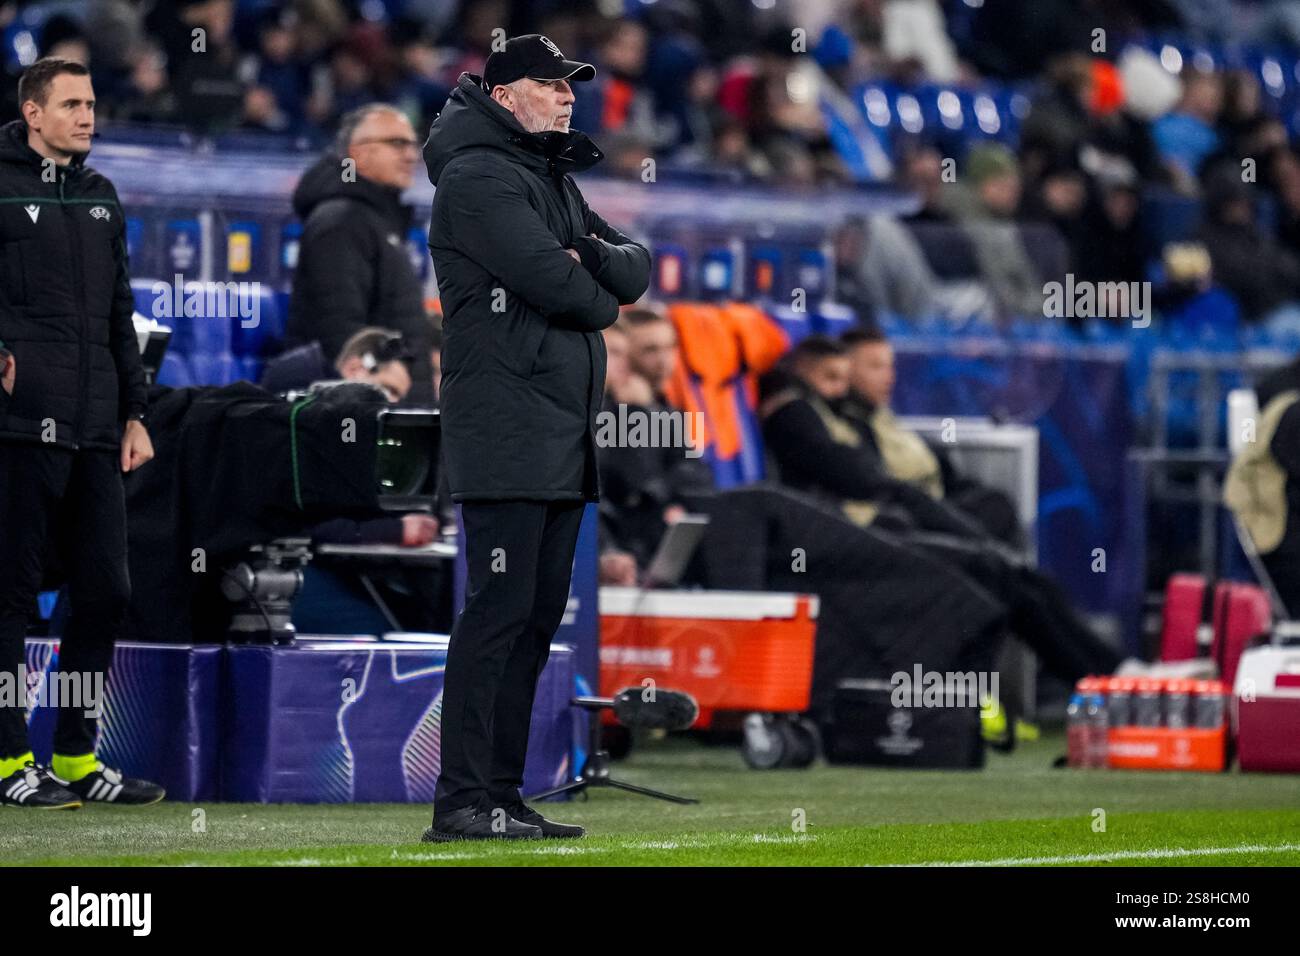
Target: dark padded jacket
{"x": 354, "y": 269}
{"x": 523, "y": 361}
{"x": 65, "y": 302}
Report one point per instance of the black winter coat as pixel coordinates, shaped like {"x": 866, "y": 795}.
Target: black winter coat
{"x": 354, "y": 269}
{"x": 65, "y": 302}
{"x": 523, "y": 361}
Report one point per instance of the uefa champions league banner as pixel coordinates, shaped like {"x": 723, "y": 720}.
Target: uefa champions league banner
{"x": 320, "y": 721}
{"x": 341, "y": 721}
{"x": 158, "y": 711}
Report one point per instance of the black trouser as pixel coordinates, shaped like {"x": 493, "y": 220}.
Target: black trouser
{"x": 1040, "y": 613}
{"x": 75, "y": 501}
{"x": 519, "y": 556}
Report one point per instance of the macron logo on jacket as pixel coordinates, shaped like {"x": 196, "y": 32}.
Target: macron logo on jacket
{"x": 33, "y": 210}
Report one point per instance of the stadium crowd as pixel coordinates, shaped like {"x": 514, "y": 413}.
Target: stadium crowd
{"x": 751, "y": 91}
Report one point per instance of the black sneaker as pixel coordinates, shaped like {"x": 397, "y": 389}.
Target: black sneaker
{"x": 36, "y": 788}
{"x": 526, "y": 814}
{"x": 472, "y": 823}
{"x": 106, "y": 785}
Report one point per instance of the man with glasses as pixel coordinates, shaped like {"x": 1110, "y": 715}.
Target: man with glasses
{"x": 353, "y": 268}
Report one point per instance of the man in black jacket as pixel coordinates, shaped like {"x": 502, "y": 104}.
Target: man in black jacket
{"x": 905, "y": 455}
{"x": 822, "y": 451}
{"x": 353, "y": 267}
{"x": 70, "y": 425}
{"x": 528, "y": 276}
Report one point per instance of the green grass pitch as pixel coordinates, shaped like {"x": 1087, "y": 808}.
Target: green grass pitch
{"x": 1018, "y": 810}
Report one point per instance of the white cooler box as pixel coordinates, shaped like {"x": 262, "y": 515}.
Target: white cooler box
{"x": 1266, "y": 709}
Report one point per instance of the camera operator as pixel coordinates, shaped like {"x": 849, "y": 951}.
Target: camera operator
{"x": 333, "y": 599}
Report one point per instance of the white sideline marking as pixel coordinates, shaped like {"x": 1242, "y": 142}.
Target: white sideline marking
{"x": 469, "y": 851}
{"x": 1163, "y": 854}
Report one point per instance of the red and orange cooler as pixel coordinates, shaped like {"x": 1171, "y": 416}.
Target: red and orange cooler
{"x": 731, "y": 650}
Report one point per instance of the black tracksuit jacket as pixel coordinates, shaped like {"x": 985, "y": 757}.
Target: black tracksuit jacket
{"x": 65, "y": 302}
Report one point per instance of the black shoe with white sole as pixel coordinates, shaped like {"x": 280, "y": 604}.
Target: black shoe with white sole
{"x": 35, "y": 788}
{"x": 106, "y": 785}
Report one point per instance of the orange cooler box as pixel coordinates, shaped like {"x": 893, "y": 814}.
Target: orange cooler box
{"x": 1168, "y": 748}
{"x": 731, "y": 650}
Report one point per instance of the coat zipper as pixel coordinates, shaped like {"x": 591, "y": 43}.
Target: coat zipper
{"x": 83, "y": 373}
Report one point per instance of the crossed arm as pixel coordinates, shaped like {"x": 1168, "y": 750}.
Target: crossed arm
{"x": 493, "y": 223}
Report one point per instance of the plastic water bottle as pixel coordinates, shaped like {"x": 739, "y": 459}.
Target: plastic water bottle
{"x": 1098, "y": 727}
{"x": 1209, "y": 704}
{"x": 1119, "y": 701}
{"x": 1076, "y": 729}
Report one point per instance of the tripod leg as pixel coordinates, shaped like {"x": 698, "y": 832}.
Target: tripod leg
{"x": 389, "y": 616}
{"x": 574, "y": 786}
{"x": 647, "y": 792}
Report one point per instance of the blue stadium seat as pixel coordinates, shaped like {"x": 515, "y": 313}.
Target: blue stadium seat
{"x": 875, "y": 104}
{"x": 250, "y": 368}
{"x": 796, "y": 325}
{"x": 175, "y": 371}
{"x": 834, "y": 319}
{"x": 264, "y": 338}
{"x": 751, "y": 460}
{"x": 214, "y": 368}
{"x": 845, "y": 140}
{"x": 895, "y": 326}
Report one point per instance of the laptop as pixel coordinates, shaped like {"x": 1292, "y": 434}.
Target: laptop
{"x": 676, "y": 548}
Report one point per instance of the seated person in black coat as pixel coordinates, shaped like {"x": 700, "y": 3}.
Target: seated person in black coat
{"x": 907, "y": 456}
{"x": 768, "y": 538}
{"x": 822, "y": 450}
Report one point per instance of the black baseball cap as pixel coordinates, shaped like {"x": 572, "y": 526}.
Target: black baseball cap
{"x": 534, "y": 56}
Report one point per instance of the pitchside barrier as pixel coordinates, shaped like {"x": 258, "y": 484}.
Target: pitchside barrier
{"x": 327, "y": 720}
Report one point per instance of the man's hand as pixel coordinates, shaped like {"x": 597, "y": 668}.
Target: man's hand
{"x": 418, "y": 530}
{"x": 574, "y": 252}
{"x": 618, "y": 567}
{"x": 136, "y": 446}
{"x": 8, "y": 368}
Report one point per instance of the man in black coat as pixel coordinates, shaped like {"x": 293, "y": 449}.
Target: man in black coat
{"x": 904, "y": 455}
{"x": 826, "y": 453}
{"x": 353, "y": 267}
{"x": 71, "y": 422}
{"x": 528, "y": 276}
